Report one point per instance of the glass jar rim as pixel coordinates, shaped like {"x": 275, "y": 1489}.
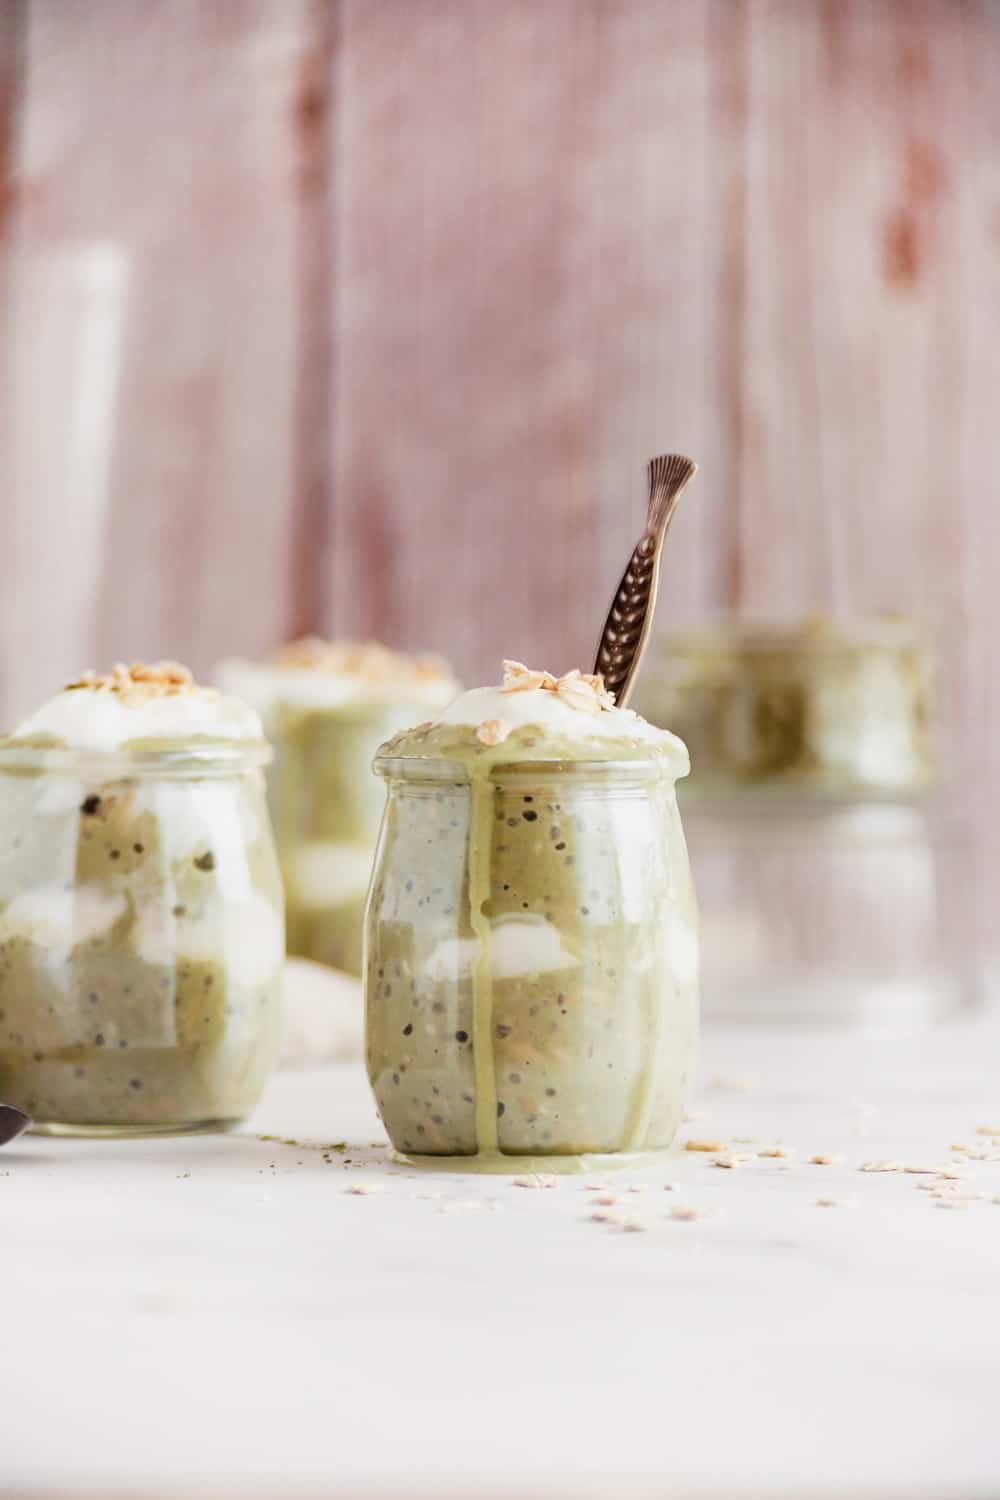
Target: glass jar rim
{"x": 190, "y": 760}
{"x": 440, "y": 769}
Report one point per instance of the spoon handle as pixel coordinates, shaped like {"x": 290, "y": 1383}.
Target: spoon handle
{"x": 626, "y": 629}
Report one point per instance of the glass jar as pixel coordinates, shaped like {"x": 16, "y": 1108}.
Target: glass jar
{"x": 830, "y": 912}
{"x": 327, "y": 808}
{"x": 829, "y": 876}
{"x": 841, "y": 707}
{"x": 326, "y": 708}
{"x": 141, "y": 937}
{"x": 531, "y": 962}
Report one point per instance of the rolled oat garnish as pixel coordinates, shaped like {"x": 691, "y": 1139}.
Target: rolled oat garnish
{"x": 536, "y": 1180}
{"x": 160, "y": 679}
{"x": 685, "y": 1212}
{"x": 493, "y": 731}
{"x": 704, "y": 1145}
{"x": 825, "y": 1159}
{"x": 580, "y": 690}
{"x": 367, "y": 660}
{"x": 517, "y": 678}
{"x": 881, "y": 1166}
{"x": 775, "y": 1151}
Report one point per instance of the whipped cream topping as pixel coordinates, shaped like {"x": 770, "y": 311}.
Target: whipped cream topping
{"x": 161, "y": 702}
{"x": 313, "y": 673}
{"x": 573, "y": 707}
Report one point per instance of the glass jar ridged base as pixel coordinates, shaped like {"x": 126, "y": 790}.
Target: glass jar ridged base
{"x": 130, "y": 1132}
{"x": 499, "y": 1165}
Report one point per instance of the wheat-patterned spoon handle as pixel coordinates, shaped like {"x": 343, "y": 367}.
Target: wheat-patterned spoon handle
{"x": 626, "y": 629}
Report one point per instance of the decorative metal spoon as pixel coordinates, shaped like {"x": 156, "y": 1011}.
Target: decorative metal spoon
{"x": 12, "y": 1122}
{"x": 626, "y": 630}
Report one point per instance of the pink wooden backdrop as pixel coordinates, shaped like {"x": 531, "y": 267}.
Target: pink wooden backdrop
{"x": 363, "y": 315}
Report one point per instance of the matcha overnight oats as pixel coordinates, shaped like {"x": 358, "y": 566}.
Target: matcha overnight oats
{"x": 326, "y": 708}
{"x": 532, "y": 953}
{"x": 141, "y": 938}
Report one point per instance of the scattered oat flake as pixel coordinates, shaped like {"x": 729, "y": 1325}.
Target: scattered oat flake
{"x": 988, "y": 1130}
{"x": 638, "y": 1187}
{"x": 670, "y": 1187}
{"x": 921, "y": 1170}
{"x": 704, "y": 1145}
{"x": 881, "y": 1166}
{"x": 824, "y": 1159}
{"x": 493, "y": 731}
{"x": 606, "y": 1199}
{"x": 536, "y": 1180}
{"x": 734, "y": 1159}
{"x": 605, "y": 1216}
{"x": 634, "y": 1226}
{"x": 362, "y": 1189}
{"x": 684, "y": 1212}
{"x": 827, "y": 1202}
{"x": 733, "y": 1083}
{"x": 775, "y": 1151}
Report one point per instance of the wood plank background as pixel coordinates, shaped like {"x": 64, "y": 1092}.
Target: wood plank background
{"x": 363, "y": 315}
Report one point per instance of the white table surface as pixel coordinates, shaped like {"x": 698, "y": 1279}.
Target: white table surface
{"x": 220, "y": 1316}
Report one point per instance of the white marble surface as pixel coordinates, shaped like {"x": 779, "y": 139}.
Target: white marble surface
{"x": 219, "y": 1316}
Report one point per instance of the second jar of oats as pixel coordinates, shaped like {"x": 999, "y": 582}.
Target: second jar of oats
{"x": 326, "y": 707}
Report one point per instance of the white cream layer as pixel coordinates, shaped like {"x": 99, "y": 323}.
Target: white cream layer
{"x": 246, "y": 936}
{"x": 550, "y": 711}
{"x": 267, "y": 686}
{"x": 91, "y": 719}
{"x": 519, "y": 945}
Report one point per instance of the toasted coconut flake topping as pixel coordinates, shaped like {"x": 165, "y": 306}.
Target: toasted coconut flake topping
{"x": 580, "y": 690}
{"x": 364, "y": 659}
{"x": 162, "y": 679}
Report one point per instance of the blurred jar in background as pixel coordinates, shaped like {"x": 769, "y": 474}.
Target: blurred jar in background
{"x": 327, "y": 707}
{"x": 829, "y": 881}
